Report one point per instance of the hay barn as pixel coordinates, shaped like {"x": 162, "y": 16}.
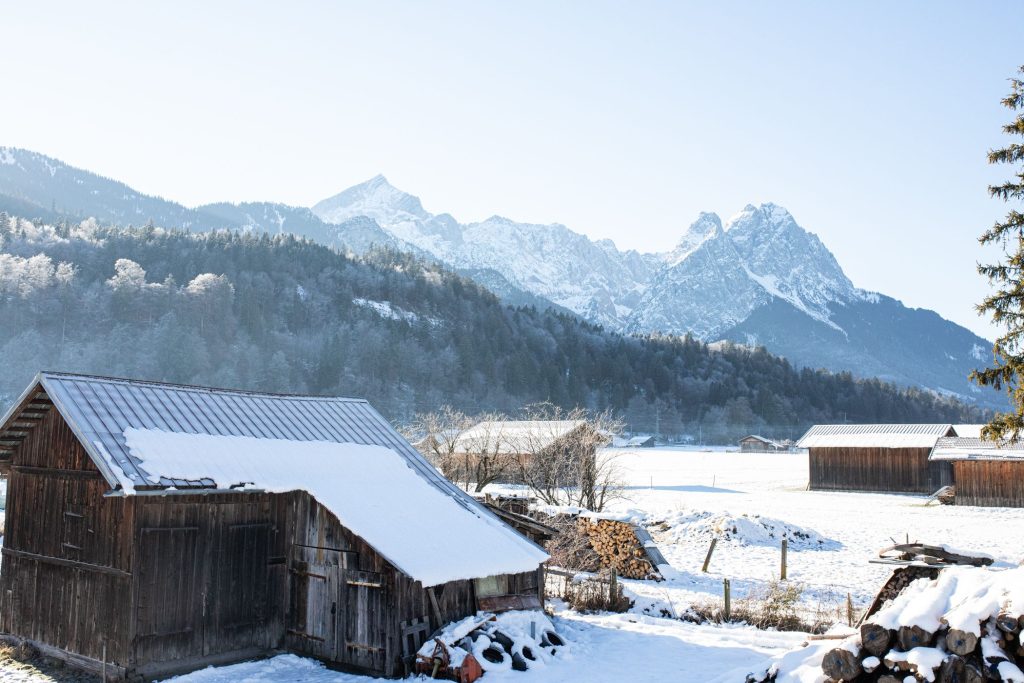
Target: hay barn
{"x": 525, "y": 440}
{"x": 154, "y": 529}
{"x": 984, "y": 473}
{"x": 886, "y": 458}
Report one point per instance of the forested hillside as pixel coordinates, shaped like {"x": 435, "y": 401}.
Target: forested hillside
{"x": 282, "y": 314}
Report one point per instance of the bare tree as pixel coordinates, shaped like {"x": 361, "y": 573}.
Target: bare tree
{"x": 560, "y": 456}
{"x": 470, "y": 451}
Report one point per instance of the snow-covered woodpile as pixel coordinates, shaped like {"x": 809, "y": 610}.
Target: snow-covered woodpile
{"x": 511, "y": 641}
{"x": 618, "y": 547}
{"x": 964, "y": 625}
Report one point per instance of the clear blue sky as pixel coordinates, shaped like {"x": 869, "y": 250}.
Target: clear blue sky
{"x": 869, "y": 121}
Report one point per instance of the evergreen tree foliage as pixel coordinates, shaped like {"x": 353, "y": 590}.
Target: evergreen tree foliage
{"x": 1006, "y": 305}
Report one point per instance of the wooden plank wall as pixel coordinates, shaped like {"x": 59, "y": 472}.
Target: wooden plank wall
{"x": 164, "y": 584}
{"x": 990, "y": 483}
{"x": 67, "y": 552}
{"x": 887, "y": 470}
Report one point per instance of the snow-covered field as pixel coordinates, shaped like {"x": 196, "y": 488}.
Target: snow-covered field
{"x": 685, "y": 496}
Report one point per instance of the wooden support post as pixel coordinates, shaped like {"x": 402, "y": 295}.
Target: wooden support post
{"x": 707, "y": 558}
{"x": 849, "y": 610}
{"x": 727, "y": 594}
{"x": 785, "y": 552}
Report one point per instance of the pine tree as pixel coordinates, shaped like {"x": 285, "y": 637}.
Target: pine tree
{"x": 1006, "y": 306}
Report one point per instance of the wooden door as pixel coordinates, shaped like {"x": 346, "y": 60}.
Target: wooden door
{"x": 364, "y": 621}
{"x": 239, "y": 600}
{"x": 316, "y": 592}
{"x": 169, "y": 610}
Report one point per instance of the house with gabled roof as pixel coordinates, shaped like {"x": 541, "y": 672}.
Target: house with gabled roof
{"x": 154, "y": 529}
{"x": 887, "y": 458}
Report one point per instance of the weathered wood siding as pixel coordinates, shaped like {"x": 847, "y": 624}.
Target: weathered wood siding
{"x": 990, "y": 483}
{"x": 67, "y": 553}
{"x": 161, "y": 584}
{"x": 887, "y": 470}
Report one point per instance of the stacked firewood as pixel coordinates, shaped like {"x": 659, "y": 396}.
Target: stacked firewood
{"x": 617, "y": 547}
{"x": 937, "y": 634}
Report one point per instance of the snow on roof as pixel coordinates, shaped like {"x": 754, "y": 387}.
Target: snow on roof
{"x": 969, "y": 431}
{"x": 874, "y": 436}
{"x": 967, "y": 448}
{"x": 371, "y": 489}
{"x": 522, "y": 436}
{"x": 101, "y": 411}
{"x": 762, "y": 439}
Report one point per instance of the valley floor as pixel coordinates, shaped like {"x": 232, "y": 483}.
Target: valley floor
{"x": 685, "y": 496}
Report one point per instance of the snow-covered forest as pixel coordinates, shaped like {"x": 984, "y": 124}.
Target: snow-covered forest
{"x": 282, "y": 314}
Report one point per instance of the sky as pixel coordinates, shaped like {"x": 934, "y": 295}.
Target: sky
{"x": 870, "y": 122}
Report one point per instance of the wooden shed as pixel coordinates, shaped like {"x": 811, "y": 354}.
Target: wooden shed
{"x": 984, "y": 473}
{"x": 759, "y": 444}
{"x": 154, "y": 529}
{"x": 886, "y": 458}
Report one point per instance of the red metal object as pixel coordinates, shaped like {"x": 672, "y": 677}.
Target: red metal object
{"x": 438, "y": 665}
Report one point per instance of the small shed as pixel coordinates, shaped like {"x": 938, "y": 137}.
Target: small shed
{"x": 985, "y": 473}
{"x": 640, "y": 442}
{"x": 154, "y": 529}
{"x": 886, "y": 458}
{"x": 754, "y": 443}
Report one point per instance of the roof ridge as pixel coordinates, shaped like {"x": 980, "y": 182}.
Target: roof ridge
{"x": 191, "y": 387}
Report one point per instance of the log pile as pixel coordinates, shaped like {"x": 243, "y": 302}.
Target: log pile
{"x": 942, "y": 632}
{"x": 618, "y": 548}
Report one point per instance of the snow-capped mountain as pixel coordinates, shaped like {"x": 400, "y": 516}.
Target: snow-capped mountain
{"x": 592, "y": 279}
{"x": 757, "y": 279}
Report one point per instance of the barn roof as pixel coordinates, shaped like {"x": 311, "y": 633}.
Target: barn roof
{"x": 762, "y": 439}
{"x": 105, "y": 413}
{"x": 514, "y": 436}
{"x": 969, "y": 431}
{"x": 970, "y": 448}
{"x": 874, "y": 435}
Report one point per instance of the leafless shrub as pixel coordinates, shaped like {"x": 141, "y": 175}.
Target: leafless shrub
{"x": 599, "y": 594}
{"x": 467, "y": 450}
{"x": 570, "y": 548}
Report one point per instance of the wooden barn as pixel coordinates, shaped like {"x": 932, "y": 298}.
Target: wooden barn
{"x": 887, "y": 458}
{"x": 984, "y": 473}
{"x": 154, "y": 529}
{"x": 759, "y": 444}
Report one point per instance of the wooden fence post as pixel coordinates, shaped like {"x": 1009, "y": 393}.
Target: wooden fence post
{"x": 707, "y": 558}
{"x": 785, "y": 552}
{"x": 727, "y": 594}
{"x": 849, "y": 610}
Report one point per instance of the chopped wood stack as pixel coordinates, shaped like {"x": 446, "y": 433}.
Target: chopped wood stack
{"x": 975, "y": 639}
{"x": 618, "y": 548}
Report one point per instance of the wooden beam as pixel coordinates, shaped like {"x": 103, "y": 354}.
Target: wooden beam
{"x": 50, "y": 472}
{"x": 60, "y": 561}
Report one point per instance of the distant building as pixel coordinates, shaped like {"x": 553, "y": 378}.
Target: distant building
{"x": 888, "y": 458}
{"x": 984, "y": 473}
{"x": 640, "y": 442}
{"x": 529, "y": 439}
{"x": 759, "y": 444}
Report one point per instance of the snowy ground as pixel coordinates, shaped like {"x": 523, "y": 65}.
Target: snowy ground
{"x": 672, "y": 485}
{"x": 684, "y": 495}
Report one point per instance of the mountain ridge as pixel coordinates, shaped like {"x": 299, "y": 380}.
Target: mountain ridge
{"x": 723, "y": 280}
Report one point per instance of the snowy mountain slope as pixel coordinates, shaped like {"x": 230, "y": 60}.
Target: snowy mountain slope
{"x": 759, "y": 278}
{"x": 550, "y": 261}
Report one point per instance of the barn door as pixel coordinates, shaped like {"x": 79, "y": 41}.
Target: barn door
{"x": 316, "y": 609}
{"x": 170, "y": 604}
{"x": 239, "y": 601}
{"x": 365, "y": 642}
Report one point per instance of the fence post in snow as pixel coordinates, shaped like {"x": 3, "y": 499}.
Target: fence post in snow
{"x": 727, "y": 612}
{"x": 849, "y": 610}
{"x": 785, "y": 552}
{"x": 707, "y": 558}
